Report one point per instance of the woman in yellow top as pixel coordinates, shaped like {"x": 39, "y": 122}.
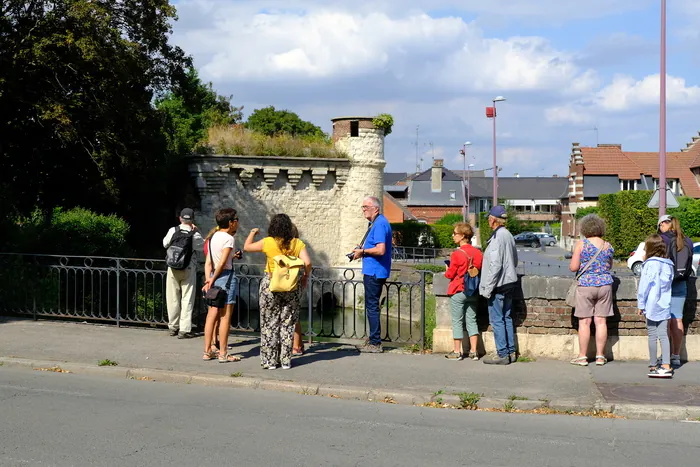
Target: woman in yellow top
{"x": 279, "y": 311}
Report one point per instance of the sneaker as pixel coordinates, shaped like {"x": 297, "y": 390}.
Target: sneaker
{"x": 496, "y": 360}
{"x": 185, "y": 335}
{"x": 287, "y": 367}
{"x": 370, "y": 348}
{"x": 660, "y": 373}
{"x": 513, "y": 357}
{"x": 474, "y": 356}
{"x": 675, "y": 360}
{"x": 454, "y": 356}
{"x": 270, "y": 367}
{"x": 173, "y": 332}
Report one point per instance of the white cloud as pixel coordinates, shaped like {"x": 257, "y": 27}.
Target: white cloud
{"x": 625, "y": 93}
{"x": 568, "y": 114}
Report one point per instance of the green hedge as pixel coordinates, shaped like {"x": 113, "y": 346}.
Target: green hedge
{"x": 630, "y": 221}
{"x": 443, "y": 236}
{"x": 75, "y": 231}
{"x": 484, "y": 230}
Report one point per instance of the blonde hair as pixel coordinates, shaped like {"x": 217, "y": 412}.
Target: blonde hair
{"x": 465, "y": 230}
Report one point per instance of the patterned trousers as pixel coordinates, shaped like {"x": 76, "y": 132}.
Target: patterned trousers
{"x": 279, "y": 312}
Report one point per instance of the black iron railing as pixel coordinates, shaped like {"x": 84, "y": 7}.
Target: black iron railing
{"x": 133, "y": 291}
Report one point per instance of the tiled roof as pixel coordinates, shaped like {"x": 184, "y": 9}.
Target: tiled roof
{"x": 447, "y": 176}
{"x": 612, "y": 160}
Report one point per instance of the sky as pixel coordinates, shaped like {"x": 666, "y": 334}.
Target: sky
{"x": 565, "y": 67}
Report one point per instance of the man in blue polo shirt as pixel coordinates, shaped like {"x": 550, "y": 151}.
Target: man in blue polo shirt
{"x": 376, "y": 266}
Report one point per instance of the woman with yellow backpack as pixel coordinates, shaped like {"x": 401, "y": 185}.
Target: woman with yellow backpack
{"x": 280, "y": 289}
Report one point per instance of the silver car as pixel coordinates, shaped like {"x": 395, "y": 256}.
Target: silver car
{"x": 546, "y": 239}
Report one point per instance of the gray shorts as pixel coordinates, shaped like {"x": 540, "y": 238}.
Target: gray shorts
{"x": 594, "y": 301}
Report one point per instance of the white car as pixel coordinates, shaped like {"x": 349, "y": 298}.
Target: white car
{"x": 634, "y": 262}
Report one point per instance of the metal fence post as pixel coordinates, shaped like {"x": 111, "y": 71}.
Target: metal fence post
{"x": 118, "y": 292}
{"x": 422, "y": 308}
{"x": 310, "y": 307}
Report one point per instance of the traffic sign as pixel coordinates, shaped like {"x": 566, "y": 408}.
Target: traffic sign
{"x": 671, "y": 200}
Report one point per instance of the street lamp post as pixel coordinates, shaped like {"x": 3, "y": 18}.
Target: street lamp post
{"x": 491, "y": 113}
{"x": 469, "y": 187}
{"x": 465, "y": 202}
{"x": 662, "y": 116}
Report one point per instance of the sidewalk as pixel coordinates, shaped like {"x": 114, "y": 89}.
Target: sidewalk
{"x": 339, "y": 370}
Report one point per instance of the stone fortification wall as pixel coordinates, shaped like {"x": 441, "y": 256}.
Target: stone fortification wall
{"x": 322, "y": 196}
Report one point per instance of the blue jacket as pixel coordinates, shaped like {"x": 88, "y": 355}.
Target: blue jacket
{"x": 654, "y": 291}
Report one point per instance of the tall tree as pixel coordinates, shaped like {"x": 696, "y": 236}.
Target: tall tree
{"x": 270, "y": 121}
{"x": 77, "y": 82}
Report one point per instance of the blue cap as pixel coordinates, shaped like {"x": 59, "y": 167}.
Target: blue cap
{"x": 499, "y": 212}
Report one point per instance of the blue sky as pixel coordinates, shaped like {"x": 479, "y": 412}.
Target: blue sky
{"x": 565, "y": 67}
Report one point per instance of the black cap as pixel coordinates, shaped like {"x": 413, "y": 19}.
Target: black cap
{"x": 187, "y": 214}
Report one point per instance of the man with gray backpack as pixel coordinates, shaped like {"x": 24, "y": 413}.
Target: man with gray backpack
{"x": 182, "y": 242}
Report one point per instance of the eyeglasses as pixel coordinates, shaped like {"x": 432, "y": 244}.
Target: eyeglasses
{"x": 235, "y": 219}
{"x": 366, "y": 208}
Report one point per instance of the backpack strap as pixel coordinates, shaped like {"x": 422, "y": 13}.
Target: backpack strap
{"x": 588, "y": 264}
{"x": 471, "y": 260}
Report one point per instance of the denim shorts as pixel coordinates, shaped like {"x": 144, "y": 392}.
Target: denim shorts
{"x": 233, "y": 287}
{"x": 679, "y": 290}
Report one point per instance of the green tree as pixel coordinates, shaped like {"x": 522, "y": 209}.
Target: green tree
{"x": 77, "y": 85}
{"x": 270, "y": 122}
{"x": 190, "y": 109}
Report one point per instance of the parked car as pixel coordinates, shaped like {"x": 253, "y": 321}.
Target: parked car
{"x": 634, "y": 262}
{"x": 527, "y": 239}
{"x": 547, "y": 239}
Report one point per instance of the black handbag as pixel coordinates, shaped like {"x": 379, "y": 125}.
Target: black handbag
{"x": 216, "y": 296}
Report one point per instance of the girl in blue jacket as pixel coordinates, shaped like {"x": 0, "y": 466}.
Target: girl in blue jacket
{"x": 654, "y": 301}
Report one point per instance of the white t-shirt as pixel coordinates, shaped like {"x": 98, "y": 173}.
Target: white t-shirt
{"x": 218, "y": 242}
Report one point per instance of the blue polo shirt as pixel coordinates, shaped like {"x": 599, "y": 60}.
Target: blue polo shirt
{"x": 378, "y": 266}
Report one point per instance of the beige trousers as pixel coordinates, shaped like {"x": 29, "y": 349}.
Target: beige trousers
{"x": 179, "y": 295}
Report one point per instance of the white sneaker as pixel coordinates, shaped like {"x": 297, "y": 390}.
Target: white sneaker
{"x": 287, "y": 367}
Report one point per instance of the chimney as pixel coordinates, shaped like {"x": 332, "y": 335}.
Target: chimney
{"x": 436, "y": 176}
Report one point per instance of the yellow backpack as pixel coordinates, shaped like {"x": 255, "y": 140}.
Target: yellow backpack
{"x": 285, "y": 276}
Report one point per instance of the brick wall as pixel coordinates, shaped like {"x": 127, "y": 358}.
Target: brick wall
{"x": 392, "y": 212}
{"x": 431, "y": 214}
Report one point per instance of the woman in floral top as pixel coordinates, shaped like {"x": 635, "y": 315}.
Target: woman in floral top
{"x": 594, "y": 301}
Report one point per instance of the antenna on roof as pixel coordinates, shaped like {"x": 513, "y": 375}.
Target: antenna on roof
{"x": 596, "y": 134}
{"x": 418, "y": 165}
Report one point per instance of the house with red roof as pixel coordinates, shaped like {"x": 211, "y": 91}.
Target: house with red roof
{"x": 607, "y": 168}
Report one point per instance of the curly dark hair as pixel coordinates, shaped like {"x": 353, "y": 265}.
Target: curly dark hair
{"x": 282, "y": 230}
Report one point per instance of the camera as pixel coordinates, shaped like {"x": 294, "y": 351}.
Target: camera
{"x": 350, "y": 256}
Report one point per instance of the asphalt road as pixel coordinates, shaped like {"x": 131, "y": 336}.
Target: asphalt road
{"x": 53, "y": 419}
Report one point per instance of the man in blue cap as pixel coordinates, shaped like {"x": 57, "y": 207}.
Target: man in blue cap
{"x": 498, "y": 281}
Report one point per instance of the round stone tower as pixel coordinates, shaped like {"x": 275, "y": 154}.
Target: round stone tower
{"x": 364, "y": 144}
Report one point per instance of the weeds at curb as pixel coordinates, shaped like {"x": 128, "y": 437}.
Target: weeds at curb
{"x": 509, "y": 406}
{"x": 54, "y": 369}
{"x": 513, "y": 397}
{"x": 523, "y": 359}
{"x": 439, "y": 392}
{"x": 237, "y": 374}
{"x": 107, "y": 362}
{"x": 549, "y": 411}
{"x": 141, "y": 378}
{"x": 388, "y": 400}
{"x": 2, "y": 363}
{"x": 469, "y": 400}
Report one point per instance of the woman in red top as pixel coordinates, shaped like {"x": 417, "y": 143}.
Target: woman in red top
{"x": 463, "y": 308}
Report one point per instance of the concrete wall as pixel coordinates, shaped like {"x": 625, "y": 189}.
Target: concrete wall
{"x": 546, "y": 327}
{"x": 322, "y": 196}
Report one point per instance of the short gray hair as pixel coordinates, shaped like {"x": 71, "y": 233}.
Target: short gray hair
{"x": 592, "y": 226}
{"x": 374, "y": 200}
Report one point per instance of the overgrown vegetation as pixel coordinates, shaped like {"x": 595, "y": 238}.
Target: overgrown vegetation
{"x": 469, "y": 400}
{"x": 237, "y": 140}
{"x": 107, "y": 362}
{"x": 384, "y": 122}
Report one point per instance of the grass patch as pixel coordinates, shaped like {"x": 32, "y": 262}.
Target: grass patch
{"x": 107, "y": 362}
{"x": 469, "y": 400}
{"x": 524, "y": 359}
{"x": 513, "y": 397}
{"x": 238, "y": 141}
{"x": 430, "y": 320}
{"x": 2, "y": 363}
{"x": 508, "y": 406}
{"x": 415, "y": 348}
{"x": 438, "y": 392}
{"x": 237, "y": 374}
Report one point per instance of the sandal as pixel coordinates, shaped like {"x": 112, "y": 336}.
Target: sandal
{"x": 600, "y": 360}
{"x": 298, "y": 352}
{"x": 225, "y": 358}
{"x": 209, "y": 356}
{"x": 580, "y": 361}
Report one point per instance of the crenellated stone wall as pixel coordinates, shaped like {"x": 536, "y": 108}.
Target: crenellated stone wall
{"x": 322, "y": 196}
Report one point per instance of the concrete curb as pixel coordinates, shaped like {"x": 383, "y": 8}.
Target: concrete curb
{"x": 632, "y": 411}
